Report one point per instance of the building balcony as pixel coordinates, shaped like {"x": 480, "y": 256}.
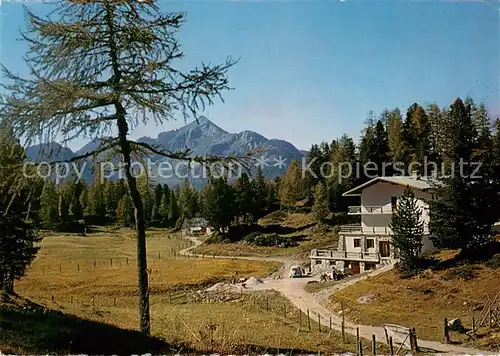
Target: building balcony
{"x": 374, "y": 209}
{"x": 335, "y": 255}
{"x": 365, "y": 230}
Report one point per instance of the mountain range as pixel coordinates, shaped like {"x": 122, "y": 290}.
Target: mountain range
{"x": 203, "y": 138}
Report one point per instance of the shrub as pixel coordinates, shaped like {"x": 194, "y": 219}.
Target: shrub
{"x": 494, "y": 262}
{"x": 465, "y": 272}
{"x": 268, "y": 240}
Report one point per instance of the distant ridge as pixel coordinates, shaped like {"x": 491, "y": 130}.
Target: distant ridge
{"x": 202, "y": 137}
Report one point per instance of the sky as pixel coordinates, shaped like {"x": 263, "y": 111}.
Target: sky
{"x": 310, "y": 71}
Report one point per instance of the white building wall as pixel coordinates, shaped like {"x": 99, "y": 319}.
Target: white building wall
{"x": 380, "y": 195}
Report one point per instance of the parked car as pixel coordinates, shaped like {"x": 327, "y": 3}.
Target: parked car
{"x": 297, "y": 271}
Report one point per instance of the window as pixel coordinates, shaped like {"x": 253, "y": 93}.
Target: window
{"x": 394, "y": 204}
{"x": 370, "y": 243}
{"x": 332, "y": 263}
{"x": 318, "y": 262}
{"x": 357, "y": 242}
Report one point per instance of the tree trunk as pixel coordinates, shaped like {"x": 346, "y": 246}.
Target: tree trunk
{"x": 142, "y": 264}
{"x": 140, "y": 224}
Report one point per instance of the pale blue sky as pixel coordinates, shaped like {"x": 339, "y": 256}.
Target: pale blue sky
{"x": 310, "y": 71}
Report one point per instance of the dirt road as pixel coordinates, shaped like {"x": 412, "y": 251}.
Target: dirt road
{"x": 293, "y": 289}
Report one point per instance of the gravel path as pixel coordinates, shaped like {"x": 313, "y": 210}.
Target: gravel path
{"x": 293, "y": 289}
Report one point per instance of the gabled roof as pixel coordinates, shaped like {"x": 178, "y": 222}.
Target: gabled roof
{"x": 421, "y": 183}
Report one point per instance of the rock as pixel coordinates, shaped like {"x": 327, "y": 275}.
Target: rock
{"x": 456, "y": 325}
{"x": 367, "y": 298}
{"x": 465, "y": 303}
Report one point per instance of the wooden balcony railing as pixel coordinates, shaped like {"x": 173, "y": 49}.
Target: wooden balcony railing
{"x": 375, "y": 209}
{"x": 357, "y": 228}
{"x": 343, "y": 255}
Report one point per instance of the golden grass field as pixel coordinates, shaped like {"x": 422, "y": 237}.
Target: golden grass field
{"x": 63, "y": 278}
{"x": 423, "y": 302}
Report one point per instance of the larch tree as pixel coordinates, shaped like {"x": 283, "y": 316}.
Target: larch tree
{"x": 320, "y": 206}
{"x": 104, "y": 66}
{"x": 395, "y": 135}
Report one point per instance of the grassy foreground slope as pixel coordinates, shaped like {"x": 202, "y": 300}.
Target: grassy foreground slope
{"x": 82, "y": 306}
{"x": 425, "y": 300}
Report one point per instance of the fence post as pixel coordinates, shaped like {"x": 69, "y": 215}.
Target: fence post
{"x": 343, "y": 331}
{"x": 94, "y": 264}
{"x": 284, "y": 310}
{"x": 374, "y": 346}
{"x": 391, "y": 347}
{"x": 60, "y": 268}
{"x": 357, "y": 340}
{"x": 330, "y": 324}
{"x": 473, "y": 325}
{"x": 319, "y": 322}
{"x": 126, "y": 259}
{"x": 267, "y": 303}
{"x": 360, "y": 349}
{"x": 446, "y": 334}
{"x": 114, "y": 301}
{"x": 300, "y": 318}
{"x": 71, "y": 300}
{"x": 52, "y": 298}
{"x": 413, "y": 340}
{"x": 308, "y": 320}
{"x": 78, "y": 267}
{"x": 111, "y": 262}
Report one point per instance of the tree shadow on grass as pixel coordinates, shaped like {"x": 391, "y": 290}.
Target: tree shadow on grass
{"x": 482, "y": 255}
{"x": 32, "y": 328}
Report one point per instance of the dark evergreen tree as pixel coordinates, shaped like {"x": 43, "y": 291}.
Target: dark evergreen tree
{"x": 463, "y": 211}
{"x": 173, "y": 209}
{"x": 18, "y": 240}
{"x": 49, "y": 202}
{"x": 245, "y": 199}
{"x": 407, "y": 230}
{"x": 219, "y": 204}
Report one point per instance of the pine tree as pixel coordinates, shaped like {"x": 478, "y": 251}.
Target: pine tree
{"x": 173, "y": 209}
{"x": 219, "y": 205}
{"x": 380, "y": 147}
{"x": 96, "y": 203}
{"x": 320, "y": 207}
{"x": 76, "y": 208}
{"x": 407, "y": 230}
{"x": 110, "y": 197}
{"x": 159, "y": 194}
{"x": 188, "y": 202}
{"x": 84, "y": 200}
{"x": 18, "y": 239}
{"x": 463, "y": 212}
{"x": 82, "y": 84}
{"x": 49, "y": 203}
{"x": 260, "y": 188}
{"x": 245, "y": 198}
{"x": 164, "y": 208}
{"x": 124, "y": 212}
